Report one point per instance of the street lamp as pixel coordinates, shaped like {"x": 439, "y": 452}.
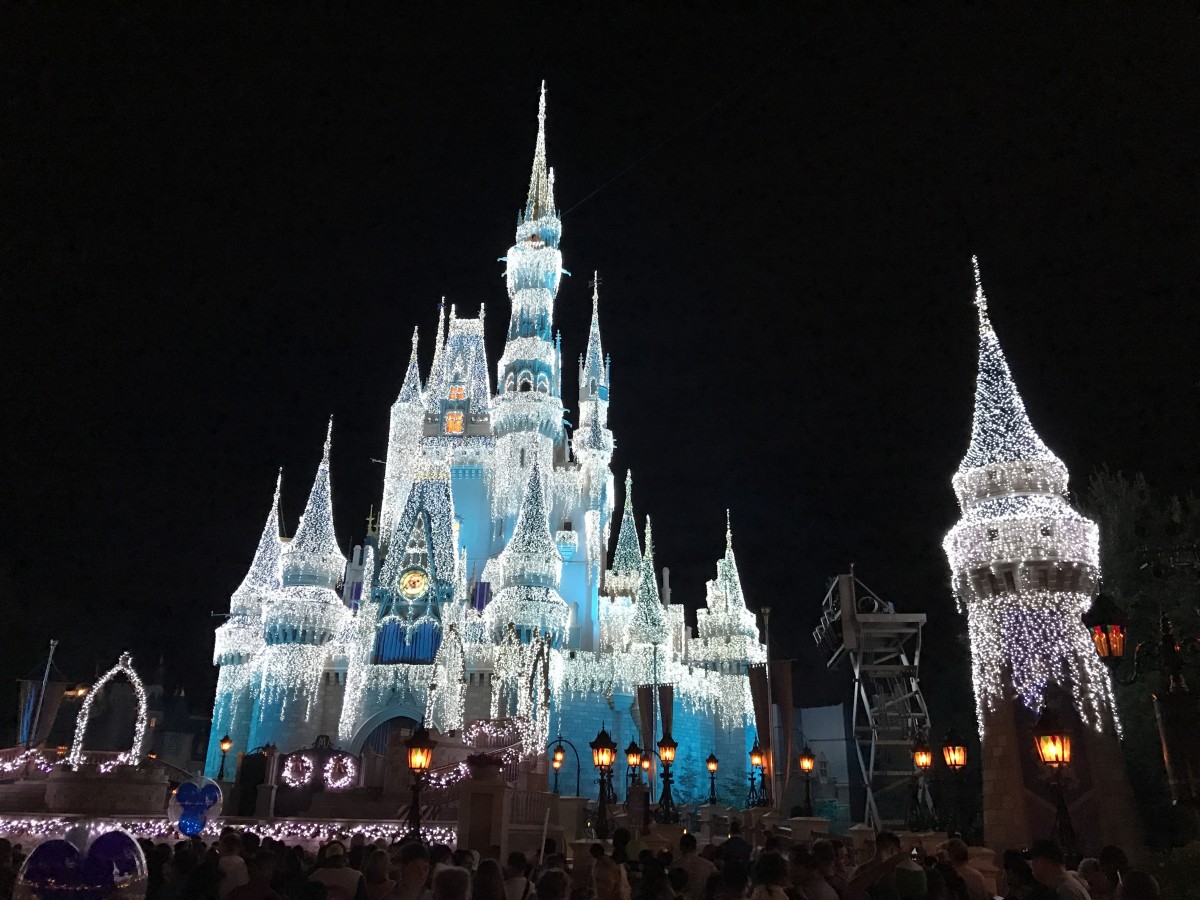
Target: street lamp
{"x": 420, "y": 757}
{"x": 633, "y": 759}
{"x": 667, "y": 813}
{"x": 1053, "y": 743}
{"x": 604, "y": 751}
{"x": 712, "y": 762}
{"x": 226, "y": 743}
{"x": 556, "y": 761}
{"x": 1175, "y": 707}
{"x": 808, "y": 762}
{"x": 558, "y": 756}
{"x": 758, "y": 796}
{"x": 954, "y": 752}
{"x": 922, "y": 756}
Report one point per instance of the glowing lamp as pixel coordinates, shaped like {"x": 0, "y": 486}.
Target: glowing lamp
{"x": 808, "y": 762}
{"x": 645, "y": 763}
{"x": 633, "y": 755}
{"x": 420, "y": 750}
{"x": 557, "y": 763}
{"x": 604, "y": 751}
{"x": 226, "y": 743}
{"x": 922, "y": 755}
{"x": 954, "y": 751}
{"x": 1108, "y": 626}
{"x": 1053, "y": 742}
{"x": 666, "y": 749}
{"x": 559, "y": 755}
{"x": 712, "y": 762}
{"x": 756, "y": 755}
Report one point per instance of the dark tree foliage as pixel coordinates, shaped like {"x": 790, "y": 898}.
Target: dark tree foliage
{"x": 1148, "y": 553}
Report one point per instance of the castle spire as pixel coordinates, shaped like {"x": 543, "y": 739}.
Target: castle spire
{"x": 648, "y": 625}
{"x": 593, "y": 359}
{"x": 622, "y": 578}
{"x": 410, "y": 391}
{"x": 439, "y": 341}
{"x": 313, "y": 555}
{"x": 1000, "y": 431}
{"x": 531, "y": 556}
{"x": 263, "y": 575}
{"x": 729, "y": 582}
{"x": 541, "y": 181}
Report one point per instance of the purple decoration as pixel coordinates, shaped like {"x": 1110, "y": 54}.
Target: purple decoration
{"x": 57, "y": 870}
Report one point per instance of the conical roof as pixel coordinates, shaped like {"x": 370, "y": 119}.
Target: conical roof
{"x": 649, "y": 623}
{"x": 1000, "y": 431}
{"x": 593, "y": 359}
{"x": 627, "y": 556}
{"x": 263, "y": 575}
{"x": 729, "y": 582}
{"x": 410, "y": 391}
{"x": 313, "y": 554}
{"x": 531, "y": 556}
{"x": 541, "y": 180}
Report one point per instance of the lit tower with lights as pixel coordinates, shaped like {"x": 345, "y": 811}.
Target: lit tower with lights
{"x": 404, "y": 436}
{"x": 1024, "y": 567}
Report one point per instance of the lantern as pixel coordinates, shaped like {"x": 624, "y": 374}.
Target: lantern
{"x": 420, "y": 750}
{"x": 633, "y": 755}
{"x": 807, "y": 761}
{"x": 712, "y": 762}
{"x": 756, "y": 755}
{"x": 1108, "y": 626}
{"x": 666, "y": 749}
{"x": 226, "y": 743}
{"x": 954, "y": 751}
{"x": 922, "y": 755}
{"x": 645, "y": 763}
{"x": 1053, "y": 742}
{"x": 604, "y": 751}
{"x": 559, "y": 755}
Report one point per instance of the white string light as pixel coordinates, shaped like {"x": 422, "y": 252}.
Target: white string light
{"x": 124, "y": 667}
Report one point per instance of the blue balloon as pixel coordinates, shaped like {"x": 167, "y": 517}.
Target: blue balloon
{"x": 53, "y": 871}
{"x": 188, "y": 794}
{"x": 210, "y": 795}
{"x": 114, "y": 859}
{"x": 191, "y": 824}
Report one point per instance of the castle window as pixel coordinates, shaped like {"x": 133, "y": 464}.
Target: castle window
{"x": 458, "y": 392}
{"x": 993, "y": 533}
{"x": 1047, "y": 531}
{"x": 454, "y": 422}
{"x": 1010, "y": 582}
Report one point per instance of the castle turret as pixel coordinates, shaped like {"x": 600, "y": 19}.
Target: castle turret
{"x": 404, "y": 437}
{"x": 726, "y": 631}
{"x": 1025, "y": 566}
{"x": 623, "y": 577}
{"x": 649, "y": 623}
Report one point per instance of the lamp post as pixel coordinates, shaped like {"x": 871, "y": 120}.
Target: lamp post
{"x": 604, "y": 751}
{"x": 808, "y": 762}
{"x": 757, "y": 796}
{"x": 667, "y": 813}
{"x": 420, "y": 756}
{"x": 954, "y": 752}
{"x": 1053, "y": 743}
{"x": 226, "y": 743}
{"x": 558, "y": 756}
{"x": 633, "y": 760}
{"x": 1175, "y": 707}
{"x": 712, "y": 762}
{"x": 922, "y": 817}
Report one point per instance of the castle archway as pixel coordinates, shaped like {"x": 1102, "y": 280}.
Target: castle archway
{"x": 376, "y": 730}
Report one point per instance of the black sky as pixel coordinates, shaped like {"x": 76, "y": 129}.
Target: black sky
{"x": 221, "y": 223}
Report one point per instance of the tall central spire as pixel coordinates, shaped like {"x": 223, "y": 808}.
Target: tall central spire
{"x": 541, "y": 182}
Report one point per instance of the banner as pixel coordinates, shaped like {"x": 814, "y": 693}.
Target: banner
{"x": 645, "y": 700}
{"x": 762, "y": 721}
{"x": 666, "y": 703}
{"x": 27, "y": 704}
{"x": 781, "y": 693}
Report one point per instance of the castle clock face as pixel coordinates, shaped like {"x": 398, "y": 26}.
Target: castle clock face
{"x": 413, "y": 583}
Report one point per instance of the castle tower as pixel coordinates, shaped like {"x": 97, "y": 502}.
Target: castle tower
{"x": 527, "y": 411}
{"x": 404, "y": 436}
{"x": 622, "y": 579}
{"x": 239, "y": 645}
{"x": 726, "y": 631}
{"x": 300, "y": 619}
{"x": 1025, "y": 566}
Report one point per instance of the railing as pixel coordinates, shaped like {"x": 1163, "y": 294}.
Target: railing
{"x": 529, "y": 807}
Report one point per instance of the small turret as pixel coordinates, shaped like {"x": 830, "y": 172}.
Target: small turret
{"x": 726, "y": 631}
{"x": 404, "y": 435}
{"x": 313, "y": 557}
{"x": 240, "y": 636}
{"x": 649, "y": 624}
{"x": 622, "y": 579}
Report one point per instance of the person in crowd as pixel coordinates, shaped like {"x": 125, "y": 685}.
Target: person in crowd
{"x": 826, "y": 856}
{"x": 289, "y": 877}
{"x": 736, "y": 848}
{"x": 1049, "y": 868}
{"x": 413, "y": 872}
{"x": 376, "y": 872}
{"x": 552, "y": 885}
{"x": 620, "y": 841}
{"x": 1138, "y": 885}
{"x": 342, "y": 882}
{"x": 698, "y": 869}
{"x": 730, "y": 882}
{"x": 1089, "y": 872}
{"x": 261, "y": 869}
{"x": 959, "y": 857}
{"x": 1113, "y": 863}
{"x": 517, "y": 885}
{"x": 877, "y": 877}
{"x": 451, "y": 883}
{"x": 230, "y": 863}
{"x": 1019, "y": 883}
{"x": 608, "y": 880}
{"x": 489, "y": 881}
{"x": 806, "y": 878}
{"x": 466, "y": 859}
{"x": 440, "y": 857}
{"x": 769, "y": 878}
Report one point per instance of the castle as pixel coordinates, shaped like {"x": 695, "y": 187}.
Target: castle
{"x": 486, "y": 593}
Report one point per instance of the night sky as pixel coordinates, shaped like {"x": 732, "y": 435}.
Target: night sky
{"x": 222, "y": 222}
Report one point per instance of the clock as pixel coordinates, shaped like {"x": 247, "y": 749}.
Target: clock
{"x": 413, "y": 583}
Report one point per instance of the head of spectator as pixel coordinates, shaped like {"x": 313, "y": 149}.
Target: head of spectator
{"x": 517, "y": 865}
{"x": 687, "y": 843}
{"x": 377, "y": 867}
{"x": 887, "y": 844}
{"x": 1113, "y": 862}
{"x": 262, "y": 867}
{"x": 251, "y": 843}
{"x": 1138, "y": 885}
{"x": 335, "y": 855}
{"x": 1048, "y": 862}
{"x": 452, "y": 883}
{"x": 770, "y": 870}
{"x": 553, "y": 885}
{"x": 596, "y": 850}
{"x": 230, "y": 843}
{"x": 466, "y": 859}
{"x": 414, "y": 865}
{"x": 489, "y": 881}
{"x": 826, "y": 856}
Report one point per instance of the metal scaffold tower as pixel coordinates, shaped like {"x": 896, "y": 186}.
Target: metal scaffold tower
{"x": 884, "y": 649}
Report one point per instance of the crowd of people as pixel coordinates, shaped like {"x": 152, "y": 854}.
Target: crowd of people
{"x": 240, "y": 866}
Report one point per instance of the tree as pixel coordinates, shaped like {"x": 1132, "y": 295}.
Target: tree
{"x": 1148, "y": 554}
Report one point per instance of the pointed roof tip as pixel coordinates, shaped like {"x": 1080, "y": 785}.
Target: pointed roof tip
{"x": 595, "y": 289}
{"x": 328, "y": 439}
{"x": 980, "y": 297}
{"x": 416, "y": 335}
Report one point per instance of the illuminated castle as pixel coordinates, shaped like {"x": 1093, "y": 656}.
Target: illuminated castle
{"x": 487, "y": 592}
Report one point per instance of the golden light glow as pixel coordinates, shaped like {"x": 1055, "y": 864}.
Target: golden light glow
{"x": 1054, "y": 749}
{"x": 712, "y": 762}
{"x": 226, "y": 743}
{"x": 666, "y": 749}
{"x": 454, "y": 422}
{"x": 559, "y": 754}
{"x": 458, "y": 392}
{"x": 604, "y": 751}
{"x": 808, "y": 762}
{"x": 756, "y": 754}
{"x": 922, "y": 756}
{"x": 955, "y": 756}
{"x": 420, "y": 750}
{"x": 633, "y": 755}
{"x": 557, "y": 762}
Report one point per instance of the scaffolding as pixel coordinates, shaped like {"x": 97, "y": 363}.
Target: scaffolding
{"x": 889, "y": 713}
